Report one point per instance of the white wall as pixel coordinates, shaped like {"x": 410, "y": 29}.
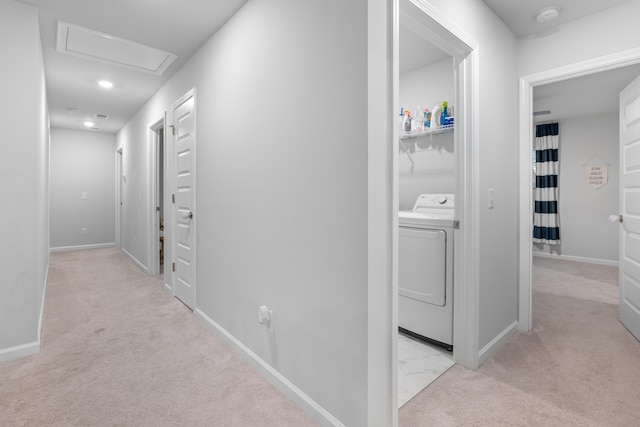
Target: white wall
{"x": 82, "y": 162}
{"x": 433, "y": 169}
{"x": 281, "y": 189}
{"x": 585, "y": 231}
{"x": 497, "y": 168}
{"x": 24, "y": 175}
{"x": 600, "y": 34}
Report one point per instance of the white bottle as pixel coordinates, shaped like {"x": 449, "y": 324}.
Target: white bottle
{"x": 418, "y": 120}
{"x": 435, "y": 117}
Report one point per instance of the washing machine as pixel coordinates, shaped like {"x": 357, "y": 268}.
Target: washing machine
{"x": 425, "y": 262}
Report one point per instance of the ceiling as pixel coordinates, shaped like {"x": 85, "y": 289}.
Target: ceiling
{"x": 177, "y": 27}
{"x": 416, "y": 52}
{"x": 180, "y": 28}
{"x": 585, "y": 96}
{"x": 519, "y": 15}
{"x": 580, "y": 97}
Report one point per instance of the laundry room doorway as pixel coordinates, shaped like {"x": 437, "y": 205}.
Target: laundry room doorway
{"x": 449, "y": 155}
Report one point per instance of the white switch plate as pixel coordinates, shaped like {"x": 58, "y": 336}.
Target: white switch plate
{"x": 84, "y": 195}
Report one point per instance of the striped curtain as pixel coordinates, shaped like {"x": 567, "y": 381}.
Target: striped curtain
{"x": 546, "y": 224}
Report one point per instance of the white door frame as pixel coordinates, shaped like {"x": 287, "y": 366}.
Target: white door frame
{"x": 527, "y": 83}
{"x": 118, "y": 201}
{"x": 425, "y": 20}
{"x": 153, "y": 138}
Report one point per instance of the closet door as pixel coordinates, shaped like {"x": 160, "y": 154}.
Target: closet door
{"x": 630, "y": 207}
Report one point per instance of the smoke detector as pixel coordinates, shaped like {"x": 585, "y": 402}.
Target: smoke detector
{"x": 547, "y": 14}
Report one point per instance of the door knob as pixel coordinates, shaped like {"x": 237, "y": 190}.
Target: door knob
{"x": 187, "y": 215}
{"x": 615, "y": 218}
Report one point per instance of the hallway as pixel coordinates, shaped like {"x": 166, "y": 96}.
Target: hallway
{"x": 118, "y": 350}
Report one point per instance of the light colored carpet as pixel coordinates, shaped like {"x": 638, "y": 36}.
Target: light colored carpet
{"x": 117, "y": 350}
{"x": 578, "y": 366}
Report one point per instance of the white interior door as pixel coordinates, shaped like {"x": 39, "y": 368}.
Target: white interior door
{"x": 630, "y": 207}
{"x": 184, "y": 199}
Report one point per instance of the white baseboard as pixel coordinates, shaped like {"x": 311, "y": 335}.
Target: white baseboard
{"x": 82, "y": 247}
{"x": 168, "y": 288}
{"x": 19, "y": 351}
{"x": 133, "y": 259}
{"x": 489, "y": 349}
{"x": 275, "y": 377}
{"x": 577, "y": 259}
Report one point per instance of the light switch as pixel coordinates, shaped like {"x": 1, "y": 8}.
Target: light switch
{"x": 84, "y": 195}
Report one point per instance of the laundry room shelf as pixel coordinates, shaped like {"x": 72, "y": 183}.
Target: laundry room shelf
{"x": 444, "y": 129}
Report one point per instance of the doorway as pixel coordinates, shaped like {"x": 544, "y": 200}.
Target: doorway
{"x": 526, "y": 124}
{"x": 157, "y": 183}
{"x": 426, "y": 24}
{"x": 119, "y": 197}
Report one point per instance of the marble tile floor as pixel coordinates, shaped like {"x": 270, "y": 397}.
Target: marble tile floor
{"x": 419, "y": 364}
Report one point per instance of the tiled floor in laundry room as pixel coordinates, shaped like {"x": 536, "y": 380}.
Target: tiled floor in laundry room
{"x": 419, "y": 364}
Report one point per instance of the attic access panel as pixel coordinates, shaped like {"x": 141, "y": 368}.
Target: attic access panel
{"x": 96, "y": 46}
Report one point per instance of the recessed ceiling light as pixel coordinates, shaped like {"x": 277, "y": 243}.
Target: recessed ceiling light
{"x": 105, "y": 84}
{"x": 89, "y": 124}
{"x": 547, "y": 14}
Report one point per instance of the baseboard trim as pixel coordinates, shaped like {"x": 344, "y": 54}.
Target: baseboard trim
{"x": 489, "y": 349}
{"x": 19, "y": 351}
{"x": 276, "y": 378}
{"x": 577, "y": 259}
{"x": 168, "y": 288}
{"x": 133, "y": 259}
{"x": 82, "y": 247}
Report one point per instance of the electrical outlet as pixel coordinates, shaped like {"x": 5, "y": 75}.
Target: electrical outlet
{"x": 265, "y": 317}
{"x": 84, "y": 231}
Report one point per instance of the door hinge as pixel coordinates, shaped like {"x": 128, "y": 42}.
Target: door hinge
{"x": 157, "y": 208}
{"x": 173, "y": 129}
{"x": 173, "y": 266}
{"x": 173, "y": 198}
{"x": 456, "y": 224}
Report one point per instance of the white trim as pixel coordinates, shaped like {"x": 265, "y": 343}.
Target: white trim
{"x": 19, "y": 351}
{"x": 493, "y": 345}
{"x": 276, "y": 378}
{"x": 527, "y": 83}
{"x": 118, "y": 190}
{"x": 153, "y": 244}
{"x": 599, "y": 261}
{"x": 135, "y": 260}
{"x": 382, "y": 216}
{"x": 467, "y": 239}
{"x": 83, "y": 247}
